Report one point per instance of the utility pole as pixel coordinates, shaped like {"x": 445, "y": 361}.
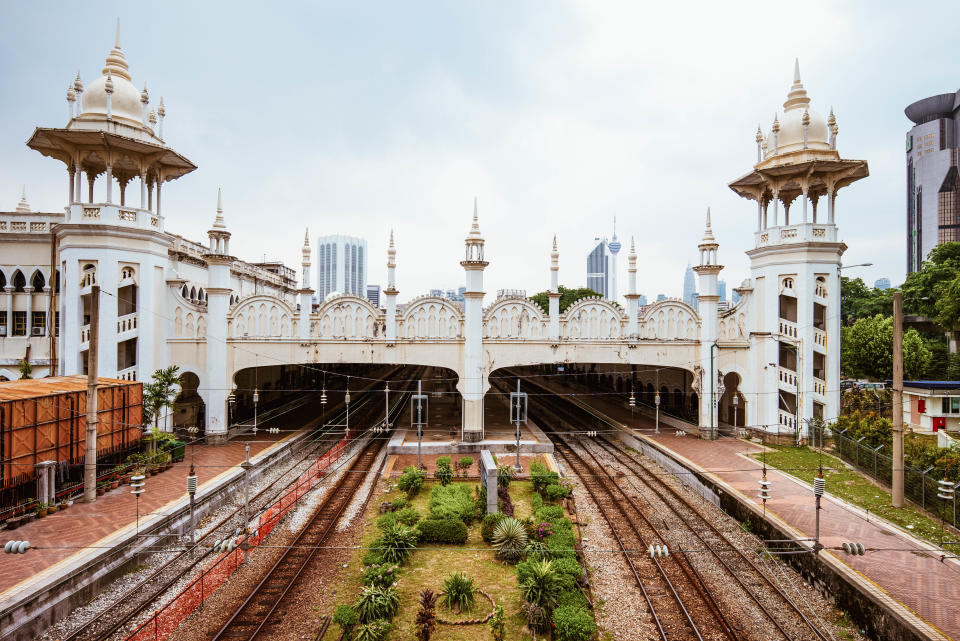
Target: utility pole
{"x": 897, "y": 399}
{"x": 90, "y": 457}
{"x": 246, "y": 465}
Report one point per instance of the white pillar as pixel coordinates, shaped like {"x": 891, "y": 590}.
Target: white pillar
{"x": 47, "y": 294}
{"x": 553, "y": 297}
{"x": 218, "y": 381}
{"x": 633, "y": 298}
{"x": 390, "y": 293}
{"x": 143, "y": 191}
{"x": 708, "y": 299}
{"x": 109, "y": 183}
{"x": 77, "y": 188}
{"x": 473, "y": 378}
{"x": 9, "y": 291}
{"x": 29, "y": 292}
{"x": 804, "y": 196}
{"x": 776, "y": 201}
{"x": 760, "y": 213}
{"x": 107, "y": 277}
{"x": 831, "y": 198}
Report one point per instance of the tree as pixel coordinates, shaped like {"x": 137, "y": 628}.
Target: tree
{"x": 160, "y": 393}
{"x": 857, "y": 300}
{"x": 26, "y": 369}
{"x": 867, "y": 350}
{"x": 927, "y": 291}
{"x": 567, "y": 297}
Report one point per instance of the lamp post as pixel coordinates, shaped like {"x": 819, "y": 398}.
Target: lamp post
{"x": 136, "y": 482}
{"x": 192, "y": 480}
{"x": 518, "y": 414}
{"x": 422, "y": 402}
{"x": 736, "y": 403}
{"x": 656, "y": 404}
{"x": 246, "y": 465}
{"x": 256, "y": 401}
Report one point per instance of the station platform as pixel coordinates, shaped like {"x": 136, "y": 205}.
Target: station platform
{"x": 442, "y": 434}
{"x": 63, "y": 542}
{"x": 904, "y": 568}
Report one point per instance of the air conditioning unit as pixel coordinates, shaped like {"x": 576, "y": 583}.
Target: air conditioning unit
{"x": 36, "y": 331}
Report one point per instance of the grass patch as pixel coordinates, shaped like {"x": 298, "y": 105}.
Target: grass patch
{"x": 853, "y": 487}
{"x": 428, "y": 566}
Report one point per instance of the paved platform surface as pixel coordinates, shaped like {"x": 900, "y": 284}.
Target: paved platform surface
{"x": 74, "y": 531}
{"x": 904, "y": 567}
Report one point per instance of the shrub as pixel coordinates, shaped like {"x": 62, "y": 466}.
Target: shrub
{"x": 465, "y": 463}
{"x": 549, "y": 513}
{"x": 381, "y": 575}
{"x": 535, "y": 549}
{"x": 541, "y": 476}
{"x": 537, "y": 501}
{"x": 509, "y": 539}
{"x": 443, "y": 461}
{"x": 400, "y": 503}
{"x": 541, "y": 585}
{"x": 543, "y": 530}
{"x": 562, "y": 543}
{"x": 536, "y": 617}
{"x": 373, "y": 557}
{"x": 569, "y": 567}
{"x": 573, "y": 624}
{"x": 387, "y": 521}
{"x": 458, "y": 592}
{"x": 408, "y": 516}
{"x": 490, "y": 522}
{"x": 345, "y": 616}
{"x": 426, "y": 619}
{"x": 504, "y": 475}
{"x": 573, "y": 597}
{"x": 497, "y": 624}
{"x": 373, "y": 631}
{"x": 377, "y": 603}
{"x": 451, "y": 502}
{"x": 397, "y": 543}
{"x": 451, "y": 531}
{"x": 444, "y": 475}
{"x": 480, "y": 499}
{"x": 504, "y": 502}
{"x": 411, "y": 480}
{"x": 556, "y": 492}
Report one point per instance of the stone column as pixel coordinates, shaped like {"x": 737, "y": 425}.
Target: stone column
{"x": 553, "y": 296}
{"x": 218, "y": 381}
{"x": 29, "y": 292}
{"x": 110, "y": 183}
{"x": 633, "y": 298}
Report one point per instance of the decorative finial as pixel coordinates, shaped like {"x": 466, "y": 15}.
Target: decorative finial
{"x": 475, "y": 223}
{"x": 797, "y": 96}
{"x": 759, "y": 136}
{"x": 633, "y": 248}
{"x": 108, "y": 85}
{"x": 805, "y": 121}
{"x": 831, "y": 119}
{"x": 391, "y": 238}
{"x": 77, "y": 83}
{"x": 144, "y": 95}
{"x": 776, "y": 124}
{"x": 555, "y": 242}
{"x": 71, "y": 94}
{"x": 796, "y": 71}
{"x": 219, "y": 201}
{"x": 152, "y": 117}
{"x": 306, "y": 238}
{"x": 161, "y": 110}
{"x": 116, "y": 42}
{"x": 23, "y": 207}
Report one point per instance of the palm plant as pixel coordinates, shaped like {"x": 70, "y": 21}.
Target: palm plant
{"x": 458, "y": 592}
{"x": 509, "y": 539}
{"x": 541, "y": 585}
{"x": 159, "y": 394}
{"x": 398, "y": 542}
{"x": 426, "y": 619}
{"x": 504, "y": 475}
{"x": 377, "y": 603}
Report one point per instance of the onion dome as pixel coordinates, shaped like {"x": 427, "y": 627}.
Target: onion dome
{"x": 797, "y": 115}
{"x": 125, "y": 102}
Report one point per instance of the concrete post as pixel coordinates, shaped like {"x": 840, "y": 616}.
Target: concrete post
{"x": 897, "y": 483}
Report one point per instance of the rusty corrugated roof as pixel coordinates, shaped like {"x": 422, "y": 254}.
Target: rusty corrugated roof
{"x": 32, "y": 387}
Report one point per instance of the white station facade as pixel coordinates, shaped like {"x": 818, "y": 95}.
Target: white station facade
{"x": 769, "y": 363}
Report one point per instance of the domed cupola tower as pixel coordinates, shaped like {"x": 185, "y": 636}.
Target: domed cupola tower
{"x": 473, "y": 383}
{"x": 109, "y": 237}
{"x": 795, "y": 265}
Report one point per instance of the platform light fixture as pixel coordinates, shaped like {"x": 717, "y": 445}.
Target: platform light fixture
{"x": 518, "y": 414}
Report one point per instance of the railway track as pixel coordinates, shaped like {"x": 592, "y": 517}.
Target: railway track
{"x": 691, "y": 611}
{"x": 144, "y": 594}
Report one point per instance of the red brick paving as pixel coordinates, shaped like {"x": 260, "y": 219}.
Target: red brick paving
{"x": 912, "y": 573}
{"x": 83, "y": 524}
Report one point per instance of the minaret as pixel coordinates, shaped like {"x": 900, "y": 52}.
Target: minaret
{"x": 390, "y": 293}
{"x": 23, "y": 207}
{"x": 614, "y": 247}
{"x": 473, "y": 378}
{"x": 708, "y": 299}
{"x": 553, "y": 295}
{"x": 306, "y": 293}
{"x": 632, "y": 296}
{"x": 218, "y": 383}
{"x": 795, "y": 270}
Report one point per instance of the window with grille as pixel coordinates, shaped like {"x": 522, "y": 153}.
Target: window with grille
{"x": 39, "y": 319}
{"x": 19, "y": 323}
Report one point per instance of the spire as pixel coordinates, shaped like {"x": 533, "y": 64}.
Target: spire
{"x": 708, "y": 237}
{"x": 476, "y": 223}
{"x": 306, "y": 238}
{"x": 555, "y": 243}
{"x": 218, "y": 223}
{"x": 797, "y": 97}
{"x": 633, "y": 249}
{"x": 391, "y": 238}
{"x": 77, "y": 83}
{"x": 116, "y": 61}
{"x": 23, "y": 207}
{"x": 116, "y": 41}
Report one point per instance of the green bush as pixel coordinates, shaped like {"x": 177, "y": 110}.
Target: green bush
{"x": 453, "y": 531}
{"x": 490, "y": 521}
{"x": 373, "y": 631}
{"x": 443, "y": 461}
{"x": 541, "y": 585}
{"x": 537, "y": 501}
{"x": 536, "y": 550}
{"x": 573, "y": 624}
{"x": 480, "y": 500}
{"x": 408, "y": 516}
{"x": 465, "y": 463}
{"x": 542, "y": 476}
{"x": 458, "y": 592}
{"x": 569, "y": 567}
{"x": 504, "y": 475}
{"x": 549, "y": 513}
{"x": 345, "y": 616}
{"x": 443, "y": 474}
{"x": 451, "y": 502}
{"x": 509, "y": 539}
{"x": 411, "y": 481}
{"x": 377, "y": 603}
{"x": 555, "y": 492}
{"x": 373, "y": 557}
{"x": 497, "y": 624}
{"x": 400, "y": 503}
{"x": 387, "y": 521}
{"x": 573, "y": 597}
{"x": 561, "y": 544}
{"x": 381, "y": 575}
{"x": 397, "y": 543}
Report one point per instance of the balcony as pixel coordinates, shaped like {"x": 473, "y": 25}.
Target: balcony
{"x": 128, "y": 374}
{"x": 801, "y": 233}
{"x": 819, "y": 386}
{"x": 113, "y": 214}
{"x": 788, "y": 328}
{"x": 127, "y": 323}
{"x": 788, "y": 379}
{"x": 85, "y": 334}
{"x": 788, "y": 420}
{"x": 820, "y": 338}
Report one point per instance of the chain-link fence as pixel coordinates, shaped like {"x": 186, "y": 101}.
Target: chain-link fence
{"x": 920, "y": 486}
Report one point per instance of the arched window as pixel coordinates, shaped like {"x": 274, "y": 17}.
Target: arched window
{"x": 3, "y": 280}
{"x": 38, "y": 282}
{"x": 184, "y": 291}
{"x": 88, "y": 276}
{"x": 19, "y": 282}
{"x": 56, "y": 282}
{"x": 126, "y": 273}
{"x": 193, "y": 293}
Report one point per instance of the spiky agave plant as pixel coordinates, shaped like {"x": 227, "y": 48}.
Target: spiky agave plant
{"x": 377, "y": 603}
{"x": 541, "y": 585}
{"x": 426, "y": 619}
{"x": 397, "y": 543}
{"x": 509, "y": 539}
{"x": 458, "y": 592}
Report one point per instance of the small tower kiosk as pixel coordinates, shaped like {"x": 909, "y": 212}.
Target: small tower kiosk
{"x": 474, "y": 383}
{"x": 795, "y": 266}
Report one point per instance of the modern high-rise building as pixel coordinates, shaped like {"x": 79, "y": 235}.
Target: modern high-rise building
{"x": 881, "y": 283}
{"x": 661, "y": 297}
{"x": 373, "y": 295}
{"x": 933, "y": 183}
{"x": 341, "y": 266}
{"x": 643, "y": 300}
{"x": 734, "y": 297}
{"x": 598, "y": 268}
{"x": 722, "y": 289}
{"x": 689, "y": 287}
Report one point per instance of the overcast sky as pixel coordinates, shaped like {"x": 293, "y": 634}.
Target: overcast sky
{"x": 357, "y": 118}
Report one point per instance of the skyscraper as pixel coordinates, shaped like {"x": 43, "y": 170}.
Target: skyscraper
{"x": 689, "y": 287}
{"x": 722, "y": 289}
{"x": 933, "y": 182}
{"x": 373, "y": 295}
{"x": 341, "y": 266}
{"x": 598, "y": 268}
{"x": 881, "y": 283}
